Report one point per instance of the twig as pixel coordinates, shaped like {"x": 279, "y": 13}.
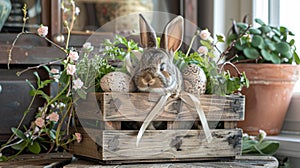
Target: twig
{"x": 224, "y": 53}
{"x": 38, "y": 66}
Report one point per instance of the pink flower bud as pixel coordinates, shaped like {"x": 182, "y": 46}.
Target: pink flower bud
{"x": 73, "y": 55}
{"x": 53, "y": 117}
{"x": 40, "y": 122}
{"x": 78, "y": 137}
{"x": 203, "y": 50}
{"x": 42, "y": 31}
{"x": 71, "y": 69}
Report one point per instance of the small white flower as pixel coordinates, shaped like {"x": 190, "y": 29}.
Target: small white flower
{"x": 252, "y": 137}
{"x": 77, "y": 11}
{"x": 262, "y": 134}
{"x": 73, "y": 55}
{"x": 245, "y": 135}
{"x": 77, "y": 84}
{"x": 42, "y": 31}
{"x": 36, "y": 130}
{"x": 56, "y": 78}
{"x": 204, "y": 34}
{"x": 203, "y": 50}
{"x": 52, "y": 106}
{"x": 61, "y": 104}
{"x": 71, "y": 69}
{"x": 88, "y": 46}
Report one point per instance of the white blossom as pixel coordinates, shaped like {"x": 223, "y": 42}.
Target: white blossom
{"x": 77, "y": 84}
{"x": 204, "y": 34}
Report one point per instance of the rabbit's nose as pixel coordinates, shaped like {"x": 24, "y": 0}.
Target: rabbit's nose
{"x": 148, "y": 80}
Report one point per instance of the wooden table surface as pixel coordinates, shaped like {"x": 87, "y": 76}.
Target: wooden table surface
{"x": 66, "y": 160}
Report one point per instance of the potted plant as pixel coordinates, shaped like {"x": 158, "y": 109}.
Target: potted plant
{"x": 268, "y": 56}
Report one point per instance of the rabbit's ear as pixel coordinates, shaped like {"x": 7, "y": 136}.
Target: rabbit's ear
{"x": 172, "y": 36}
{"x": 147, "y": 33}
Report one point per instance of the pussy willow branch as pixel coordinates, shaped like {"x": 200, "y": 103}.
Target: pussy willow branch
{"x": 224, "y": 53}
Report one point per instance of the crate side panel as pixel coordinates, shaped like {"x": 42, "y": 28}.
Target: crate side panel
{"x": 170, "y": 144}
{"x": 136, "y": 106}
{"x": 91, "y": 144}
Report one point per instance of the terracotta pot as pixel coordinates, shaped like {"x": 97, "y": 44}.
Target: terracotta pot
{"x": 268, "y": 97}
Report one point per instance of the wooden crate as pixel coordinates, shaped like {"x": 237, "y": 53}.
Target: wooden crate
{"x": 103, "y": 115}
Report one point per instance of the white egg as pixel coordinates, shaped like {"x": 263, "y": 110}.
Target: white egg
{"x": 194, "y": 79}
{"x": 117, "y": 82}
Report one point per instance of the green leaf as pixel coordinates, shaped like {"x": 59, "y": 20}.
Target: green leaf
{"x": 268, "y": 147}
{"x": 276, "y": 38}
{"x": 81, "y": 93}
{"x": 270, "y": 44}
{"x": 282, "y": 47}
{"x": 64, "y": 77}
{"x": 20, "y": 146}
{"x": 45, "y": 83}
{"x": 265, "y": 29}
{"x": 220, "y": 38}
{"x": 30, "y": 84}
{"x": 3, "y": 158}
{"x": 267, "y": 56}
{"x": 242, "y": 25}
{"x": 47, "y": 68}
{"x": 34, "y": 147}
{"x": 37, "y": 78}
{"x": 287, "y": 55}
{"x": 257, "y": 40}
{"x": 292, "y": 42}
{"x": 206, "y": 44}
{"x": 44, "y": 95}
{"x": 296, "y": 58}
{"x": 275, "y": 59}
{"x": 52, "y": 134}
{"x": 251, "y": 53}
{"x": 254, "y": 31}
{"x": 18, "y": 133}
{"x": 259, "y": 21}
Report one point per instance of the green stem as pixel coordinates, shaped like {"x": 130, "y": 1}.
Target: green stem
{"x": 60, "y": 124}
{"x": 19, "y": 125}
{"x": 60, "y": 93}
{"x": 191, "y": 44}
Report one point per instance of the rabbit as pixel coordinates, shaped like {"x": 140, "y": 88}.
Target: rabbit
{"x": 156, "y": 71}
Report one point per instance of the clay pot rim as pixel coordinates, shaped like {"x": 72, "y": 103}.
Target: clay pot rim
{"x": 266, "y": 65}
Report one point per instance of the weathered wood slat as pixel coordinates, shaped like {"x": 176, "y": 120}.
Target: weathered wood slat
{"x": 239, "y": 162}
{"x": 37, "y": 161}
{"x": 136, "y": 106}
{"x": 119, "y": 145}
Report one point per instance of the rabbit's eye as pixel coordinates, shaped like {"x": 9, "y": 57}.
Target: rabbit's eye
{"x": 162, "y": 67}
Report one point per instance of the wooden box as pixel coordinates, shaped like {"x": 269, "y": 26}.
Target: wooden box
{"x": 103, "y": 117}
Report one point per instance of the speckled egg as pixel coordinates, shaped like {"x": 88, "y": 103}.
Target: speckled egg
{"x": 117, "y": 82}
{"x": 194, "y": 79}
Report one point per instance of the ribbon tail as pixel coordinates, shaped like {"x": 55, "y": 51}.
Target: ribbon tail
{"x": 128, "y": 64}
{"x": 151, "y": 115}
{"x": 202, "y": 117}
